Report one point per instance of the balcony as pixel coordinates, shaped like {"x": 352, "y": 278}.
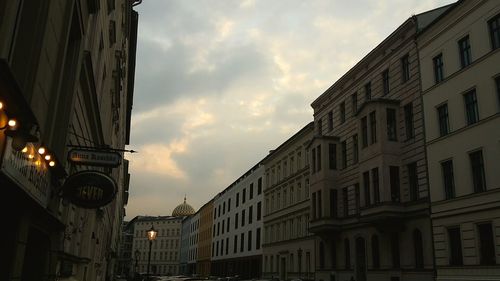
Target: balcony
{"x": 325, "y": 225}
{"x": 388, "y": 216}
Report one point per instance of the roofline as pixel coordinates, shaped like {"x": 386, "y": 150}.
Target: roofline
{"x": 271, "y": 155}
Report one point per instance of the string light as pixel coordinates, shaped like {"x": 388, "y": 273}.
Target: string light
{"x": 41, "y": 150}
{"x": 1, "y": 105}
{"x": 52, "y": 163}
{"x": 47, "y": 157}
{"x": 25, "y": 149}
{"x": 12, "y": 123}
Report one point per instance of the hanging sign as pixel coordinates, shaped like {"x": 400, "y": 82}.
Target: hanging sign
{"x": 89, "y": 189}
{"x": 94, "y": 158}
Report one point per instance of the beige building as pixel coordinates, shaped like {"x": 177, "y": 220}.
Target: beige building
{"x": 460, "y": 62}
{"x": 67, "y": 69}
{"x": 289, "y": 250}
{"x": 369, "y": 189}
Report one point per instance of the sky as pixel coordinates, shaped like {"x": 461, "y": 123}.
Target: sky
{"x": 220, "y": 83}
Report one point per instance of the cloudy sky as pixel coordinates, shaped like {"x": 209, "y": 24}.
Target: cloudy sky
{"x": 219, "y": 83}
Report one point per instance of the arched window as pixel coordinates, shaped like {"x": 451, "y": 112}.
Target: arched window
{"x": 419, "y": 248}
{"x": 375, "y": 252}
{"x": 321, "y": 255}
{"x": 347, "y": 250}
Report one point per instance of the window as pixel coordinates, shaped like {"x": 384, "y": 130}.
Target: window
{"x": 251, "y": 192}
{"x": 243, "y": 198}
{"x": 364, "y": 132}
{"x": 345, "y": 201}
{"x": 465, "y": 51}
{"x": 368, "y": 91}
{"x": 394, "y": 182}
{"x": 229, "y": 204}
{"x": 320, "y": 207}
{"x": 438, "y": 68}
{"x": 228, "y": 223}
{"x": 418, "y": 248}
{"x": 373, "y": 127}
{"x": 257, "y": 241}
{"x": 333, "y": 253}
{"x": 486, "y": 244}
{"x": 455, "y": 246}
{"x": 222, "y": 247}
{"x": 318, "y": 157}
{"x": 333, "y": 203}
{"x": 223, "y": 224}
{"x": 375, "y": 180}
{"x": 410, "y": 132}
{"x": 249, "y": 240}
{"x": 236, "y": 221}
{"x": 313, "y": 206}
{"x": 357, "y": 197}
{"x": 391, "y": 125}
{"x": 395, "y": 250}
{"x": 227, "y": 245}
{"x": 223, "y": 208}
{"x": 243, "y": 218}
{"x": 242, "y": 242}
{"x": 321, "y": 255}
{"x": 347, "y": 251}
{"x": 259, "y": 188}
{"x": 330, "y": 120}
{"x": 237, "y": 199}
{"x": 385, "y": 82}
{"x": 313, "y": 155}
{"x": 218, "y": 228}
{"x": 405, "y": 68}
{"x": 355, "y": 156}
{"x": 494, "y": 26}
{"x": 344, "y": 154}
{"x": 332, "y": 156}
{"x": 259, "y": 210}
{"x": 497, "y": 81}
{"x": 250, "y": 214}
{"x": 375, "y": 252}
{"x": 448, "y": 181}
{"x": 471, "y": 109}
{"x": 342, "y": 112}
{"x": 235, "y": 244}
{"x": 478, "y": 177}
{"x": 366, "y": 184}
{"x": 444, "y": 127}
{"x": 319, "y": 127}
{"x": 354, "y": 101}
{"x": 413, "y": 180}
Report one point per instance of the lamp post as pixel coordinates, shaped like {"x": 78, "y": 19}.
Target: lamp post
{"x": 137, "y": 254}
{"x": 151, "y": 237}
{"x": 299, "y": 255}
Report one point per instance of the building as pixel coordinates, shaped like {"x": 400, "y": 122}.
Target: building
{"x": 289, "y": 250}
{"x": 67, "y": 78}
{"x": 237, "y": 227}
{"x": 183, "y": 255}
{"x": 126, "y": 260}
{"x": 369, "y": 189}
{"x": 193, "y": 243}
{"x": 460, "y": 57}
{"x": 203, "y": 262}
{"x": 165, "y": 249}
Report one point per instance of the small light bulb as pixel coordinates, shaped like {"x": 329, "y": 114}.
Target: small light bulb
{"x": 25, "y": 149}
{"x": 31, "y": 156}
{"x": 52, "y": 163}
{"x": 1, "y": 105}
{"x": 12, "y": 123}
{"x": 47, "y": 157}
{"x": 41, "y": 150}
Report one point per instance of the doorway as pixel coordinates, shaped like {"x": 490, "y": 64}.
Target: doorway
{"x": 360, "y": 259}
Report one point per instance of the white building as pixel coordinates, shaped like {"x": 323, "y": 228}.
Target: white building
{"x": 237, "y": 227}
{"x": 289, "y": 249}
{"x": 460, "y": 65}
{"x": 193, "y": 242}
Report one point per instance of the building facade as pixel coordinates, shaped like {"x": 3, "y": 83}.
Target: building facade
{"x": 67, "y": 70}
{"x": 460, "y": 58}
{"x": 183, "y": 255}
{"x": 126, "y": 259}
{"x": 193, "y": 243}
{"x": 203, "y": 263}
{"x": 369, "y": 189}
{"x": 289, "y": 250}
{"x": 164, "y": 249}
{"x": 237, "y": 227}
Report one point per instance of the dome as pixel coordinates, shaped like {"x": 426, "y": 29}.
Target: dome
{"x": 183, "y": 209}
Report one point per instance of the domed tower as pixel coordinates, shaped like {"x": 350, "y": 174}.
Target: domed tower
{"x": 183, "y": 209}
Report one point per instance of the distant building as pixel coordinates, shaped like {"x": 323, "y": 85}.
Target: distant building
{"x": 289, "y": 248}
{"x": 185, "y": 235}
{"x": 460, "y": 62}
{"x": 125, "y": 262}
{"x": 193, "y": 243}
{"x": 237, "y": 227}
{"x": 203, "y": 262}
{"x": 165, "y": 250}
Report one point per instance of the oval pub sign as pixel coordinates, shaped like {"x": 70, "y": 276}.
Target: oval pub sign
{"x": 89, "y": 189}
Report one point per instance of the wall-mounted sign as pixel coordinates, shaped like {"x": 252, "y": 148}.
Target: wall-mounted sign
{"x": 94, "y": 157}
{"x": 89, "y": 189}
{"x": 28, "y": 170}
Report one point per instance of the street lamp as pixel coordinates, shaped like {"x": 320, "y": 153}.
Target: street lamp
{"x": 299, "y": 255}
{"x": 137, "y": 254}
{"x": 151, "y": 237}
